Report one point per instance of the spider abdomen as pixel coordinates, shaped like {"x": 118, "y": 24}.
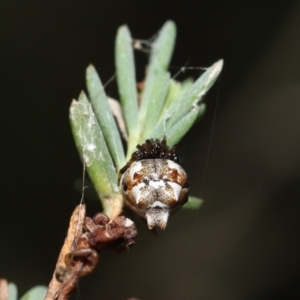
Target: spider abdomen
{"x": 155, "y": 188}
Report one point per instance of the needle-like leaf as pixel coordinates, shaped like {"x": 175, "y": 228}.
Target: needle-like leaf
{"x": 161, "y": 53}
{"x": 125, "y": 70}
{"x": 105, "y": 117}
{"x": 193, "y": 203}
{"x": 36, "y": 293}
{"x": 94, "y": 153}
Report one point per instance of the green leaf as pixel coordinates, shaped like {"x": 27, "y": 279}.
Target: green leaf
{"x": 194, "y": 94}
{"x": 177, "y": 132}
{"x": 126, "y": 79}
{"x": 12, "y": 291}
{"x": 36, "y": 293}
{"x": 193, "y": 203}
{"x": 161, "y": 54}
{"x": 175, "y": 92}
{"x": 163, "y": 46}
{"x": 105, "y": 117}
{"x": 180, "y": 114}
{"x": 158, "y": 96}
{"x": 94, "y": 153}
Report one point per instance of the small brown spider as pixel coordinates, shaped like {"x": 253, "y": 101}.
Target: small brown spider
{"x": 153, "y": 183}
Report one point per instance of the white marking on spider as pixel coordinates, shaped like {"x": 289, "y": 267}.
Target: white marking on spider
{"x": 176, "y": 189}
{"x": 157, "y": 184}
{"x": 137, "y": 192}
{"x": 158, "y": 204}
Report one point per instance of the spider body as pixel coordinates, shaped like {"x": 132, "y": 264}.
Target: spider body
{"x": 153, "y": 183}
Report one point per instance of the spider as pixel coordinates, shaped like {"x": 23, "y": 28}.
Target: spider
{"x": 153, "y": 183}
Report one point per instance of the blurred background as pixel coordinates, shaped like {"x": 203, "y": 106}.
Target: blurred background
{"x": 244, "y": 242}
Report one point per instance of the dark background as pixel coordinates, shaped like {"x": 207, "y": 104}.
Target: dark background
{"x": 243, "y": 243}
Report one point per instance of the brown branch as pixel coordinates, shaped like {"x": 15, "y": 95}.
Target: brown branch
{"x": 74, "y": 233}
{"x": 70, "y": 283}
{"x": 80, "y": 254}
